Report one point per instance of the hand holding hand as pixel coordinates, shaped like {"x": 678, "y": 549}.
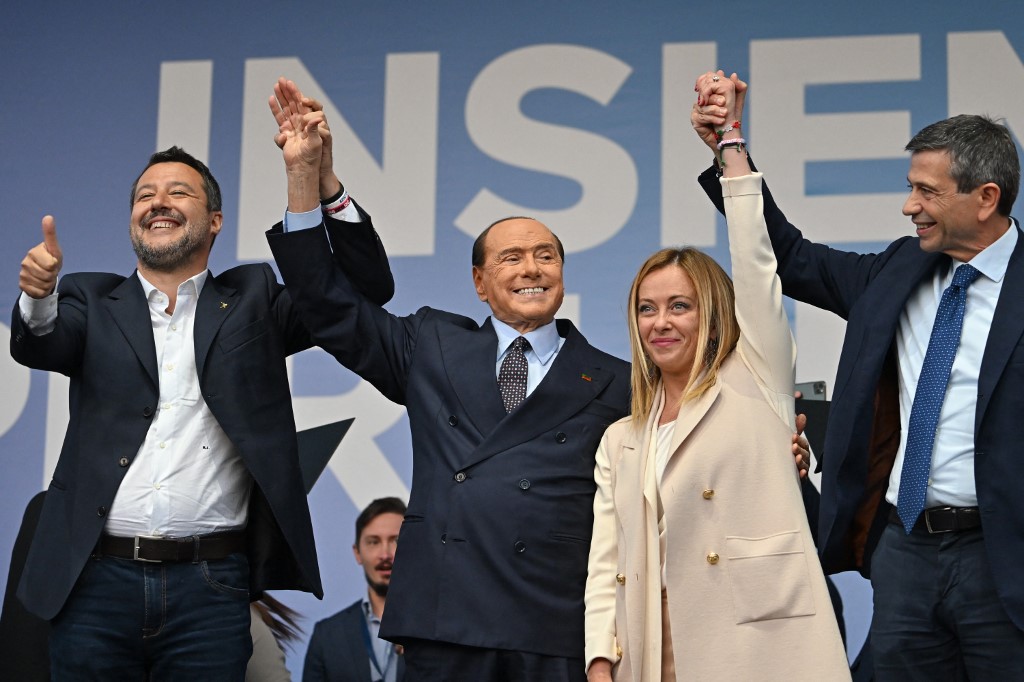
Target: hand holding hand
{"x": 298, "y": 134}
{"x": 39, "y": 269}
{"x": 720, "y": 101}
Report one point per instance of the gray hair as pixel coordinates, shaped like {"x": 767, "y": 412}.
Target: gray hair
{"x": 980, "y": 151}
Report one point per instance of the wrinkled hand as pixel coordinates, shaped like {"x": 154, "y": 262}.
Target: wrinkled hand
{"x": 298, "y": 123}
{"x": 718, "y": 102}
{"x": 40, "y": 267}
{"x": 801, "y": 448}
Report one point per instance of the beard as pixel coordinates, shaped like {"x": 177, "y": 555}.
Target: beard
{"x": 380, "y": 589}
{"x": 169, "y": 257}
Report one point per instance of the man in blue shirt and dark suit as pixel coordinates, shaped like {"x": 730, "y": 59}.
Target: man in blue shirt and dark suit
{"x": 346, "y": 646}
{"x": 922, "y": 465}
{"x": 488, "y": 583}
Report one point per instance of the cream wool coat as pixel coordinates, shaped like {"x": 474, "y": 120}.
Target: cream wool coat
{"x": 746, "y": 593}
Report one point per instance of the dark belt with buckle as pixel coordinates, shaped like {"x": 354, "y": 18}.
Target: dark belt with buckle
{"x": 154, "y": 548}
{"x": 943, "y": 519}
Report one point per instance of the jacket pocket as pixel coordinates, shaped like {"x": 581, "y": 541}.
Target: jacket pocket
{"x": 769, "y": 577}
{"x": 240, "y": 337}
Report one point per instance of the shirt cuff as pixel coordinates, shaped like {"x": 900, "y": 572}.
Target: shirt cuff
{"x": 38, "y": 314}
{"x": 302, "y": 221}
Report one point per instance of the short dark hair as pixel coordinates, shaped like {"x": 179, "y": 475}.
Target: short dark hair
{"x": 980, "y": 151}
{"x": 178, "y": 155}
{"x": 383, "y": 505}
{"x": 478, "y": 245}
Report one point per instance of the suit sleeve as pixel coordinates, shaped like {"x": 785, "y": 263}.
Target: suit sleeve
{"x": 360, "y": 334}
{"x": 599, "y": 598}
{"x": 766, "y": 341}
{"x": 362, "y": 257}
{"x": 811, "y": 273}
{"x": 60, "y": 350}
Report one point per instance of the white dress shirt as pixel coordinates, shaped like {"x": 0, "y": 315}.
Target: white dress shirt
{"x": 187, "y": 478}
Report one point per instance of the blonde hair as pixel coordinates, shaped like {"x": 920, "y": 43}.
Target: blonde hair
{"x": 716, "y": 337}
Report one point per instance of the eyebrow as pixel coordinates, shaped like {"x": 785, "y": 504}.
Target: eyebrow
{"x": 518, "y": 249}
{"x": 173, "y": 183}
{"x": 675, "y": 297}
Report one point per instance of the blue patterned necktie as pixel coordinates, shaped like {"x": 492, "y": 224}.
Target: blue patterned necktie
{"x": 512, "y": 375}
{"x": 931, "y": 391}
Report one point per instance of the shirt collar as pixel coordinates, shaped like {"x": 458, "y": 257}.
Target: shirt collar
{"x": 543, "y": 340}
{"x": 368, "y": 613}
{"x": 192, "y": 285}
{"x": 993, "y": 260}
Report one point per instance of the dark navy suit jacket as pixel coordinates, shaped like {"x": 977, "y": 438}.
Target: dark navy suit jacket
{"x": 869, "y": 291}
{"x": 245, "y": 326}
{"x": 495, "y": 544}
{"x": 337, "y": 650}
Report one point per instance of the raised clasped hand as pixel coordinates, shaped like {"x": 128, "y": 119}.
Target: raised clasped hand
{"x": 720, "y": 100}
{"x": 299, "y": 126}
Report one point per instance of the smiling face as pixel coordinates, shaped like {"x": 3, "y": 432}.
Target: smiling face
{"x": 668, "y": 320}
{"x": 521, "y": 274}
{"x": 171, "y": 227}
{"x": 946, "y": 220}
{"x": 375, "y": 550}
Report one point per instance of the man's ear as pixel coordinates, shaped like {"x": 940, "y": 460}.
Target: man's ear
{"x": 216, "y": 220}
{"x": 478, "y": 283}
{"x": 355, "y": 553}
{"x": 988, "y": 200}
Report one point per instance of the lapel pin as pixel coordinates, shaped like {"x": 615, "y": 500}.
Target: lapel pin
{"x": 223, "y": 305}
{"x": 585, "y": 377}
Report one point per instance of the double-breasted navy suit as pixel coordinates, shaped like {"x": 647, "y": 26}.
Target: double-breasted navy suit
{"x": 494, "y": 547}
{"x": 869, "y": 291}
{"x": 245, "y": 326}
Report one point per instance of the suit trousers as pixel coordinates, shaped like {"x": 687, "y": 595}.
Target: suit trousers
{"x": 133, "y": 620}
{"x": 937, "y": 615}
{"x": 430, "y": 661}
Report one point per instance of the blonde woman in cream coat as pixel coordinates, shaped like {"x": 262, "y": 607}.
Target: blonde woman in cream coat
{"x": 702, "y": 564}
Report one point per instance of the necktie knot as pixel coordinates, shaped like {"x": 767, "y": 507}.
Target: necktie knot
{"x": 965, "y": 275}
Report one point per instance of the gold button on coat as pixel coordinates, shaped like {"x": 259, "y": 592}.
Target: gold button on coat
{"x": 618, "y": 651}
{"x": 708, "y": 494}
{"x": 620, "y": 579}
{"x": 713, "y": 558}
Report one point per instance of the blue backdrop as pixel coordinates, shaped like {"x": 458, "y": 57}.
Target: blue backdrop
{"x": 448, "y": 115}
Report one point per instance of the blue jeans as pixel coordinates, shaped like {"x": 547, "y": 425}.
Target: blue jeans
{"x": 937, "y": 614}
{"x": 132, "y": 620}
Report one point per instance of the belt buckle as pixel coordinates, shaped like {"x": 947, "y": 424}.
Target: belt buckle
{"x": 135, "y": 552}
{"x": 928, "y": 520}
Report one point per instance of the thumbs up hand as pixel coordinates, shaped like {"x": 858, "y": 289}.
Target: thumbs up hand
{"x": 39, "y": 269}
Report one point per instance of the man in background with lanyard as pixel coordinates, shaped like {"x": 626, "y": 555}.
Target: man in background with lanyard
{"x": 345, "y": 647}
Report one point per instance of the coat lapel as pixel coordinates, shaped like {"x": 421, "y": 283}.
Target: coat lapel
{"x": 572, "y": 383}
{"x": 469, "y": 357}
{"x": 690, "y": 414}
{"x": 1007, "y": 329}
{"x": 130, "y": 311}
{"x": 216, "y": 303}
